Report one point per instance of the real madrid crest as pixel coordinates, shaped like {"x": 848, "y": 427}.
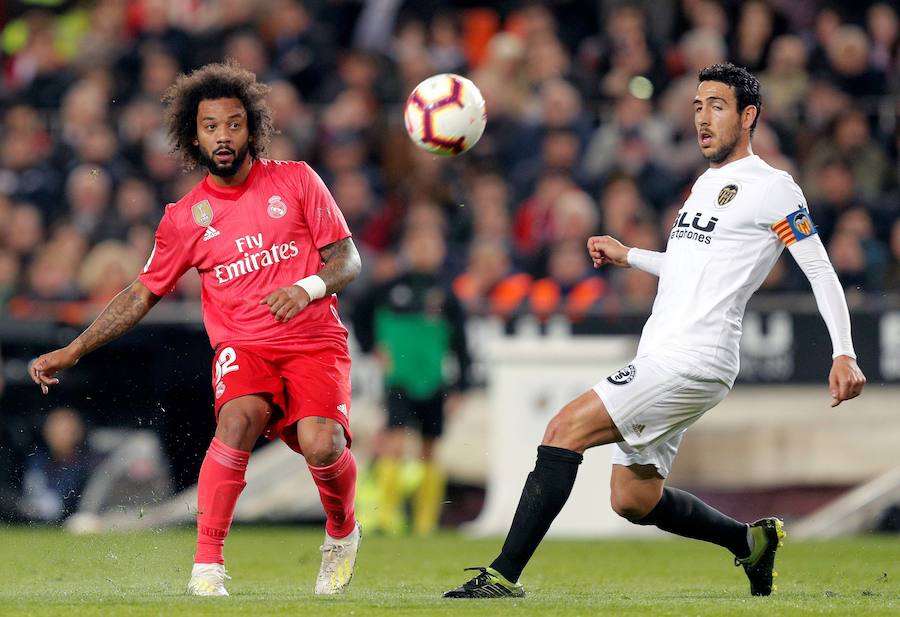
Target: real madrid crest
{"x": 727, "y": 194}
{"x": 277, "y": 208}
{"x": 203, "y": 213}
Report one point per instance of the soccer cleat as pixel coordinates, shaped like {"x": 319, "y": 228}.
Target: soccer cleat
{"x": 768, "y": 535}
{"x": 488, "y": 584}
{"x": 208, "y": 579}
{"x": 338, "y": 562}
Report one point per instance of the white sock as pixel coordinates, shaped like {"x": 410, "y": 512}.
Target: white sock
{"x": 350, "y": 537}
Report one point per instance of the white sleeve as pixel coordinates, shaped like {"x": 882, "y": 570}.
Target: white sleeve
{"x": 782, "y": 198}
{"x": 813, "y": 260}
{"x": 648, "y": 261}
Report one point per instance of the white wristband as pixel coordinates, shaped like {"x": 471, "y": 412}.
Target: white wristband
{"x": 314, "y": 286}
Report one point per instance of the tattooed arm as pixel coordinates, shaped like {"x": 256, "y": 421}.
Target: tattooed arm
{"x": 119, "y": 316}
{"x": 342, "y": 265}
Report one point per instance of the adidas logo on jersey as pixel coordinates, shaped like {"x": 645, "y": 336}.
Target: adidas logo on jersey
{"x": 342, "y": 408}
{"x": 638, "y": 428}
{"x": 211, "y": 232}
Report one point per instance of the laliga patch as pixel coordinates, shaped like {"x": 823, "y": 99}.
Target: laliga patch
{"x": 622, "y": 376}
{"x": 203, "y": 213}
{"x": 277, "y": 208}
{"x": 726, "y": 195}
{"x": 795, "y": 227}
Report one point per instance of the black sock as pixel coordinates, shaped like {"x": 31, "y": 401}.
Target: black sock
{"x": 545, "y": 493}
{"x": 681, "y": 513}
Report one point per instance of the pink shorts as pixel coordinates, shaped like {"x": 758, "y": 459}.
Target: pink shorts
{"x": 301, "y": 381}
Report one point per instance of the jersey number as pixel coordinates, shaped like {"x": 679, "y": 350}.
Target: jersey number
{"x": 225, "y": 363}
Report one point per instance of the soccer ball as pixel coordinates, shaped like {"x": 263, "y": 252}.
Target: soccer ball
{"x": 445, "y": 114}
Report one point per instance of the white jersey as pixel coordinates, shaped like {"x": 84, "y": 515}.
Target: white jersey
{"x": 725, "y": 240}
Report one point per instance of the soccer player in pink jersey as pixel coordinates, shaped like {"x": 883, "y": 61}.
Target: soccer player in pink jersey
{"x": 272, "y": 249}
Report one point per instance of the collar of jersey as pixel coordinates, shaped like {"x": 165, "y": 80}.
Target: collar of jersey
{"x": 733, "y": 165}
{"x": 231, "y": 192}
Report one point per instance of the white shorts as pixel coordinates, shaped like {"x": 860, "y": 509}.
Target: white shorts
{"x": 652, "y": 405}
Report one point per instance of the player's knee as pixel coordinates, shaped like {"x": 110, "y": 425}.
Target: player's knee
{"x": 562, "y": 432}
{"x": 629, "y": 506}
{"x": 236, "y": 424}
{"x": 323, "y": 448}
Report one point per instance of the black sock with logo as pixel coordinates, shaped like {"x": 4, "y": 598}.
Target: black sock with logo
{"x": 545, "y": 493}
{"x": 683, "y": 514}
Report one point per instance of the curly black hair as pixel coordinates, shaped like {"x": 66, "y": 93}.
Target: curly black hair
{"x": 215, "y": 81}
{"x": 746, "y": 86}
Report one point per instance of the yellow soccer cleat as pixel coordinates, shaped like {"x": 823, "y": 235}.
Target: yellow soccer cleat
{"x": 208, "y": 579}
{"x": 338, "y": 563}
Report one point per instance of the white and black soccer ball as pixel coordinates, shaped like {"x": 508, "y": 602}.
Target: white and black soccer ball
{"x": 445, "y": 114}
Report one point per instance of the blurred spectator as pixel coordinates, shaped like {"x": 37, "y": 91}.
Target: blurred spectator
{"x": 848, "y": 58}
{"x": 58, "y": 469}
{"x": 88, "y": 195}
{"x": 884, "y": 29}
{"x": 414, "y": 323}
{"x": 108, "y": 269}
{"x": 893, "y": 274}
{"x": 571, "y": 287}
{"x": 9, "y": 277}
{"x": 755, "y": 29}
{"x": 490, "y": 285}
{"x": 25, "y": 230}
{"x": 850, "y": 139}
{"x": 785, "y": 79}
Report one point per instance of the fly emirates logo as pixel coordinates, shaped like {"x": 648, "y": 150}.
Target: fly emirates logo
{"x": 255, "y": 257}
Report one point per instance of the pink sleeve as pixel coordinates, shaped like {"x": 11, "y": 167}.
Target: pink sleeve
{"x": 168, "y": 259}
{"x": 324, "y": 218}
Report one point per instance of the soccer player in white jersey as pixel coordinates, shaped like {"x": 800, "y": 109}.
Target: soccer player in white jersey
{"x": 740, "y": 215}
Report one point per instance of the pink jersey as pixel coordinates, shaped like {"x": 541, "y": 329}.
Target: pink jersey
{"x": 246, "y": 242}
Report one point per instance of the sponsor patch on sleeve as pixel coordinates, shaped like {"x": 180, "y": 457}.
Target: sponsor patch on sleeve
{"x": 795, "y": 226}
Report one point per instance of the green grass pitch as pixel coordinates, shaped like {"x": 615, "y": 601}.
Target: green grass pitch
{"x": 48, "y": 572}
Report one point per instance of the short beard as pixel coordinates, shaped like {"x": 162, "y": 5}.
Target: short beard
{"x": 725, "y": 151}
{"x": 225, "y": 171}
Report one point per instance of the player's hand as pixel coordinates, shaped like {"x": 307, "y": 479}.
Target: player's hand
{"x": 286, "y": 302}
{"x": 607, "y": 250}
{"x": 845, "y": 380}
{"x": 43, "y": 370}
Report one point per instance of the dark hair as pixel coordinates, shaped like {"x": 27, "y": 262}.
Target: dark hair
{"x": 215, "y": 81}
{"x": 746, "y": 86}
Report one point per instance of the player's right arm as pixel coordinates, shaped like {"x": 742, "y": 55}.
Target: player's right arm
{"x": 608, "y": 250}
{"x": 119, "y": 316}
{"x": 168, "y": 260}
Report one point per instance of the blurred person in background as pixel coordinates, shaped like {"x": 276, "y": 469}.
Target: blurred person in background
{"x": 490, "y": 285}
{"x": 58, "y": 469}
{"x": 571, "y": 288}
{"x": 88, "y": 198}
{"x": 414, "y": 324}
{"x": 785, "y": 80}
{"x": 24, "y": 230}
{"x": 108, "y": 268}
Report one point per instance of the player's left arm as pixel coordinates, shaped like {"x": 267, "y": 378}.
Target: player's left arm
{"x": 845, "y": 380}
{"x": 341, "y": 265}
{"x": 786, "y": 205}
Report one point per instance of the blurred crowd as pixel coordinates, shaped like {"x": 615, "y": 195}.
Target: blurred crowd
{"x": 590, "y": 130}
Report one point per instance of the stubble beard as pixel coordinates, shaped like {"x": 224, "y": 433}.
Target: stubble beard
{"x": 725, "y": 150}
{"x": 224, "y": 171}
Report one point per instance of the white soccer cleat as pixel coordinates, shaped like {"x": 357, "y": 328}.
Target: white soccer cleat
{"x": 338, "y": 561}
{"x": 208, "y": 579}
